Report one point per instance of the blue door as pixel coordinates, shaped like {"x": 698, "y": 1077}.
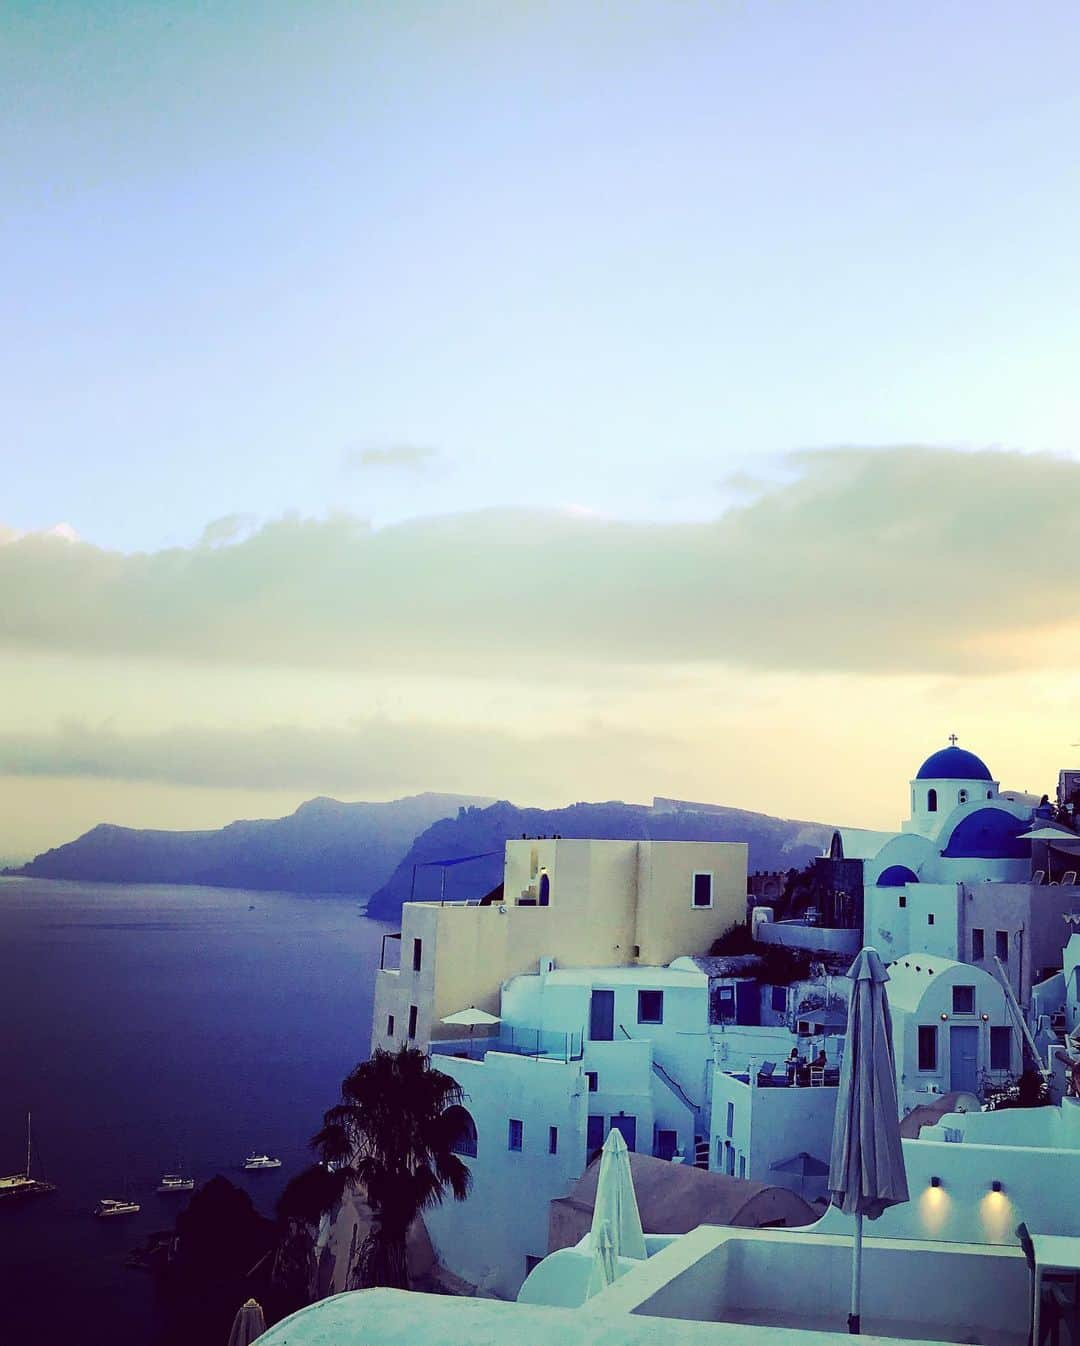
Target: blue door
{"x": 964, "y": 1059}
{"x": 667, "y": 1142}
{"x": 594, "y": 1134}
{"x": 628, "y": 1127}
{"x": 747, "y": 1002}
{"x": 602, "y": 1016}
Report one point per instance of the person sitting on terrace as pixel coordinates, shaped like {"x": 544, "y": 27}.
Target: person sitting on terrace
{"x": 820, "y": 1059}
{"x": 793, "y": 1065}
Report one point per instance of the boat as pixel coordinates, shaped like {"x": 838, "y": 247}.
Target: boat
{"x": 107, "y": 1210}
{"x": 173, "y": 1182}
{"x": 18, "y": 1185}
{"x": 254, "y": 1163}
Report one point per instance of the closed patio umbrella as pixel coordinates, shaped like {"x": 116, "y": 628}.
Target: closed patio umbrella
{"x": 615, "y": 1202}
{"x": 248, "y": 1324}
{"x": 803, "y": 1165}
{"x": 866, "y": 1172}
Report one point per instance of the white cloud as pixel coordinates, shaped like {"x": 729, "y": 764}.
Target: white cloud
{"x": 907, "y": 559}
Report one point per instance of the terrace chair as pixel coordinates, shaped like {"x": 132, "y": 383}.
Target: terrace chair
{"x": 1069, "y": 877}
{"x": 1038, "y": 876}
{"x": 817, "y": 1077}
{"x": 765, "y": 1074}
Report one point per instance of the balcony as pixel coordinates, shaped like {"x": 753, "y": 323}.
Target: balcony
{"x": 536, "y": 1042}
{"x": 807, "y": 934}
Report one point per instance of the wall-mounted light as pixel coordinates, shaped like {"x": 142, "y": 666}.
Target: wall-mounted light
{"x": 995, "y": 1186}
{"x": 985, "y": 1018}
{"x": 935, "y": 1181}
{"x": 944, "y": 1016}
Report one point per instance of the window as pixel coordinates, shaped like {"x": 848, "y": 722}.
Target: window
{"x": 778, "y": 999}
{"x": 531, "y": 1262}
{"x": 702, "y": 890}
{"x": 725, "y": 1004}
{"x": 515, "y": 1134}
{"x": 719, "y": 1153}
{"x": 545, "y": 890}
{"x": 930, "y": 918}
{"x": 553, "y": 1140}
{"x": 742, "y": 1165}
{"x": 989, "y": 794}
{"x": 389, "y": 1025}
{"x": 730, "y": 1118}
{"x": 417, "y": 954}
{"x": 650, "y": 1007}
{"x": 1000, "y": 1048}
{"x": 594, "y": 1133}
{"x": 1001, "y": 944}
{"x": 963, "y": 999}
{"x": 594, "y": 1080}
{"x": 902, "y": 899}
{"x": 978, "y": 945}
{"x": 463, "y": 1129}
{"x": 931, "y": 801}
{"x": 729, "y": 1153}
{"x": 412, "y": 1021}
{"x": 928, "y": 1047}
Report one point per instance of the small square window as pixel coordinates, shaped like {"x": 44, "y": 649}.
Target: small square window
{"x": 389, "y": 1025}
{"x": 930, "y": 918}
{"x": 1001, "y": 944}
{"x": 963, "y": 999}
{"x": 927, "y": 1047}
{"x": 978, "y": 945}
{"x": 412, "y": 1021}
{"x": 515, "y": 1134}
{"x": 650, "y": 1007}
{"x": 902, "y": 899}
{"x": 702, "y": 890}
{"x": 553, "y": 1140}
{"x": 594, "y": 1080}
{"x": 779, "y": 999}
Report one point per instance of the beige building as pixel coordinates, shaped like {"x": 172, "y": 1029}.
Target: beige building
{"x": 575, "y": 903}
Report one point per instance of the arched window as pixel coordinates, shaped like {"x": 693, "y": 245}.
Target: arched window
{"x": 989, "y": 794}
{"x": 545, "y": 888}
{"x": 463, "y": 1129}
{"x": 962, "y": 797}
{"x": 931, "y": 801}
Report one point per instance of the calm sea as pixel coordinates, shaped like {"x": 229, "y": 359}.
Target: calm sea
{"x": 147, "y": 1027}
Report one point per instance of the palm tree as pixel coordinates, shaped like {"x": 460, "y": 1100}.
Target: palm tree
{"x": 392, "y": 1134}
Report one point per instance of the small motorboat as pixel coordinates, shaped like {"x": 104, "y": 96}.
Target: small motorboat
{"x": 254, "y": 1163}
{"x": 106, "y": 1209}
{"x": 173, "y": 1182}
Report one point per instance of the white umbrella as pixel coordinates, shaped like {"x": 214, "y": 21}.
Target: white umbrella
{"x": 866, "y": 1173}
{"x": 248, "y": 1324}
{"x": 472, "y": 1018}
{"x": 615, "y": 1203}
{"x": 603, "y": 1268}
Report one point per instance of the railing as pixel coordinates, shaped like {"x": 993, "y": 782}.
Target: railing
{"x": 535, "y": 1042}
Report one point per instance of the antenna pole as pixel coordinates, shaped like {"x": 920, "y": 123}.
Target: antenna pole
{"x": 27, "y": 1144}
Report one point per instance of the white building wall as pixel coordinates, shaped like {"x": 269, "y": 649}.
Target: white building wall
{"x": 486, "y": 1239}
{"x": 767, "y": 1126}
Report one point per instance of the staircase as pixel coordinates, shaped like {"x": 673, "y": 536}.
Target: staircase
{"x": 701, "y": 1151}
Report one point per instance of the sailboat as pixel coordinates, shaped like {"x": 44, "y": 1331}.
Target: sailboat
{"x": 24, "y": 1184}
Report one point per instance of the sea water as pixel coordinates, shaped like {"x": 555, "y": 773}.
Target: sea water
{"x": 150, "y": 1028}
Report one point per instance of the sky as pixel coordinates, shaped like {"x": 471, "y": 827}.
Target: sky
{"x": 546, "y": 401}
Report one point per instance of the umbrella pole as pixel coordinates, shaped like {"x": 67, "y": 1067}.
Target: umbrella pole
{"x": 853, "y": 1323}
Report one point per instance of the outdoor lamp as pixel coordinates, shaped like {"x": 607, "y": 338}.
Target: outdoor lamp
{"x": 935, "y": 1181}
{"x": 985, "y": 1018}
{"x": 944, "y": 1016}
{"x": 995, "y": 1186}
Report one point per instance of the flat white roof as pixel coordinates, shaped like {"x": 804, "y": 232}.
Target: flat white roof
{"x": 649, "y": 978}
{"x": 390, "y": 1317}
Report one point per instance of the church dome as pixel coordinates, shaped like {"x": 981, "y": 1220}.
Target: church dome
{"x": 954, "y": 764}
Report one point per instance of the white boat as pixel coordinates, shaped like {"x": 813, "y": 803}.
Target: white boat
{"x": 106, "y": 1209}
{"x": 173, "y": 1182}
{"x": 24, "y": 1184}
{"x": 255, "y": 1162}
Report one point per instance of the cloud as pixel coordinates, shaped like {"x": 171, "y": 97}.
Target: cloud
{"x": 409, "y": 457}
{"x": 894, "y": 560}
{"x": 372, "y": 755}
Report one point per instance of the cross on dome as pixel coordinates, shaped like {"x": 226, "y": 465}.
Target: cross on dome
{"x": 952, "y": 739}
